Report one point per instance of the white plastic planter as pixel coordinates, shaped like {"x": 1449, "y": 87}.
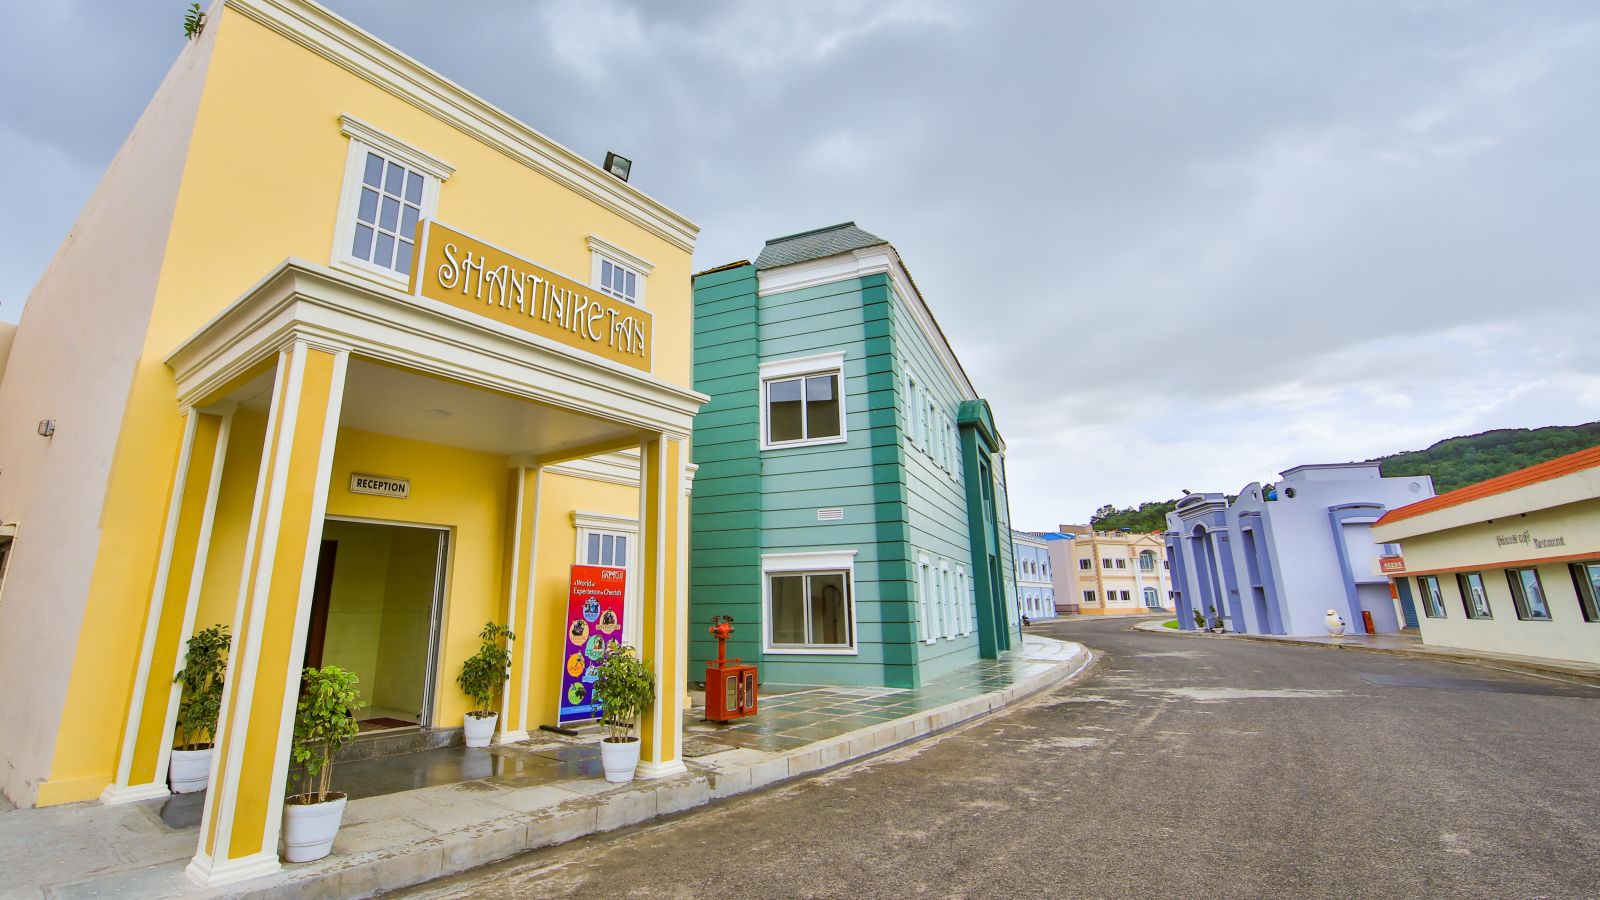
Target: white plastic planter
{"x": 309, "y": 829}
{"x": 479, "y": 731}
{"x": 189, "y": 770}
{"x": 619, "y": 758}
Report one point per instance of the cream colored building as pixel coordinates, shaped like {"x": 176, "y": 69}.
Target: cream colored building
{"x": 1509, "y": 565}
{"x": 1118, "y": 572}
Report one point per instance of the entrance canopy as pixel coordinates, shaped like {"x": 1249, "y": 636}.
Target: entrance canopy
{"x": 414, "y": 344}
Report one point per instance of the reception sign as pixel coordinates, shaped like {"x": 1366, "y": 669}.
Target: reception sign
{"x": 478, "y": 277}
{"x": 594, "y": 625}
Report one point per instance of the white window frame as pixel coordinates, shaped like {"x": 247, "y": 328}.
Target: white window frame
{"x": 963, "y": 596}
{"x": 600, "y": 250}
{"x": 948, "y": 598}
{"x": 820, "y": 364}
{"x": 911, "y": 409}
{"x": 365, "y": 138}
{"x": 587, "y": 523}
{"x": 808, "y": 564}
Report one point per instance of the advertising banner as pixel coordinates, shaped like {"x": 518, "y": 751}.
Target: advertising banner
{"x": 594, "y": 625}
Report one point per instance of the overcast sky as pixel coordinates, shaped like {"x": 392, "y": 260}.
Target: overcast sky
{"x": 1177, "y": 245}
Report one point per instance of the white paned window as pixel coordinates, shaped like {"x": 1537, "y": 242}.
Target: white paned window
{"x": 618, "y": 273}
{"x": 389, "y": 187}
{"x": 802, "y": 402}
{"x": 387, "y": 212}
{"x": 947, "y": 596}
{"x": 924, "y": 631}
{"x": 962, "y": 595}
{"x": 808, "y": 602}
{"x": 619, "y": 281}
{"x": 606, "y": 540}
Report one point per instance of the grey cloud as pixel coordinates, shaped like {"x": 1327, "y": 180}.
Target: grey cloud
{"x": 1213, "y": 233}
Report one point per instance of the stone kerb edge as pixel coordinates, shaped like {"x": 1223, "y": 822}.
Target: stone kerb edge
{"x": 376, "y": 871}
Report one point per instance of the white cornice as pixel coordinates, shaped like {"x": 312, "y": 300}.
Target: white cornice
{"x": 342, "y": 43}
{"x": 860, "y": 263}
{"x": 633, "y": 261}
{"x": 421, "y": 160}
{"x": 302, "y": 301}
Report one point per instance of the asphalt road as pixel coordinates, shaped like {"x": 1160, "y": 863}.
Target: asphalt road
{"x": 1179, "y": 767}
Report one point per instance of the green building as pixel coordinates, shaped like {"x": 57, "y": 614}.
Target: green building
{"x": 850, "y": 507}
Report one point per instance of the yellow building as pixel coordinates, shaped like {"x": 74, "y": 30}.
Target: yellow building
{"x": 308, "y": 365}
{"x": 1116, "y": 572}
{"x": 1507, "y": 565}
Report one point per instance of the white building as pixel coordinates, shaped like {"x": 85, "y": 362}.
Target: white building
{"x": 1036, "y": 593}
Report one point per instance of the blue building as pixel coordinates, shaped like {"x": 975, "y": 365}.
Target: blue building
{"x": 1036, "y": 593}
{"x": 1277, "y": 558}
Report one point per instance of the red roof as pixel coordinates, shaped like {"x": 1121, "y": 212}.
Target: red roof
{"x": 1545, "y": 471}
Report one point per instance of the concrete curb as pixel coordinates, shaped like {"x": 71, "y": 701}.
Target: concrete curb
{"x": 1552, "y": 670}
{"x": 736, "y": 772}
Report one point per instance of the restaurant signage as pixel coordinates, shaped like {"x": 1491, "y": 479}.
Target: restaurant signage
{"x": 594, "y": 626}
{"x": 470, "y": 274}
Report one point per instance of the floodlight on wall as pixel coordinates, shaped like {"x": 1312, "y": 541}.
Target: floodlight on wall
{"x": 619, "y": 166}
{"x": 47, "y": 427}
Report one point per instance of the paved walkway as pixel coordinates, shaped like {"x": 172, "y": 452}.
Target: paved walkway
{"x": 1411, "y": 645}
{"x": 420, "y": 816}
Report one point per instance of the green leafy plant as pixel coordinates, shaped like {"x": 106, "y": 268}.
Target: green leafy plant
{"x": 485, "y": 672}
{"x": 324, "y": 721}
{"x": 1199, "y": 620}
{"x": 205, "y": 662}
{"x": 1216, "y": 620}
{"x": 625, "y": 688}
{"x": 193, "y": 21}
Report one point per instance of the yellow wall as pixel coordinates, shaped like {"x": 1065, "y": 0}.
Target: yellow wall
{"x": 262, "y": 182}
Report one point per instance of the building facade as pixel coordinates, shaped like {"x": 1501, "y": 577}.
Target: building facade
{"x": 1036, "y": 592}
{"x": 851, "y": 513}
{"x": 1063, "y": 571}
{"x": 1277, "y": 558}
{"x": 1508, "y": 565}
{"x": 1118, "y": 572}
{"x": 308, "y": 367}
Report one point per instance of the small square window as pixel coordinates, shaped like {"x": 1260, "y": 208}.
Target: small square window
{"x": 1085, "y": 563}
{"x": 805, "y": 407}
{"x": 810, "y": 610}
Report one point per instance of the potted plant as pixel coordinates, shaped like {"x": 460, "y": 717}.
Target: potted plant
{"x": 324, "y": 721}
{"x": 482, "y": 676}
{"x": 1216, "y": 620}
{"x": 624, "y": 687}
{"x": 204, "y": 664}
{"x": 1199, "y": 620}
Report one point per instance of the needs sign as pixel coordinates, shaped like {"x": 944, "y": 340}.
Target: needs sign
{"x": 460, "y": 270}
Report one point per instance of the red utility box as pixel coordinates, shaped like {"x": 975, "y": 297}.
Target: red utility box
{"x": 730, "y": 685}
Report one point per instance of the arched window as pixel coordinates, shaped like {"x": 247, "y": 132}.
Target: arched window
{"x": 1147, "y": 560}
{"x": 1152, "y": 598}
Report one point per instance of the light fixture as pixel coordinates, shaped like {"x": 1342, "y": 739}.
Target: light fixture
{"x": 47, "y": 427}
{"x": 437, "y": 413}
{"x": 619, "y": 166}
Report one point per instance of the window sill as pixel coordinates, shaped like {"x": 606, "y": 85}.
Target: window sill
{"x": 819, "y": 442}
{"x": 804, "y": 651}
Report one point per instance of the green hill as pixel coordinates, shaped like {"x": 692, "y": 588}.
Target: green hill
{"x": 1453, "y": 462}
{"x": 1459, "y": 461}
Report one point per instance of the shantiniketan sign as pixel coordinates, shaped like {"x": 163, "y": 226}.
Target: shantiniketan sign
{"x": 469, "y": 274}
{"x": 594, "y": 626}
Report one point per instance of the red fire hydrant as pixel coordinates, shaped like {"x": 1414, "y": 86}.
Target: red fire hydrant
{"x": 730, "y": 685}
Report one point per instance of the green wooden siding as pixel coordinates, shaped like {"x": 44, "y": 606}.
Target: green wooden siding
{"x": 898, "y": 504}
